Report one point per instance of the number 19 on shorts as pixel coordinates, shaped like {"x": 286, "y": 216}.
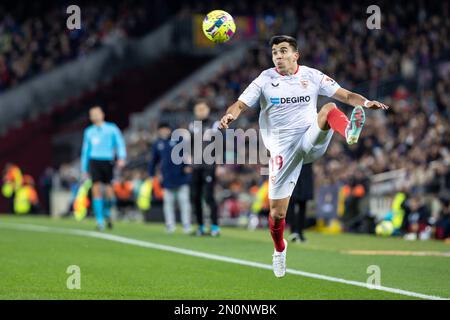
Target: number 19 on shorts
{"x": 276, "y": 163}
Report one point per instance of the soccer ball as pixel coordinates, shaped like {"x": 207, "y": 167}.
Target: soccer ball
{"x": 218, "y": 26}
{"x": 384, "y": 228}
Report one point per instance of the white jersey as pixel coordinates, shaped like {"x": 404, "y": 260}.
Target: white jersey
{"x": 288, "y": 103}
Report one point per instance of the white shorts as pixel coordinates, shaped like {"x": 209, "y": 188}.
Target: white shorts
{"x": 286, "y": 162}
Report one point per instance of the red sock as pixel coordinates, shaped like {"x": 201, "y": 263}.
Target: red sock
{"x": 277, "y": 230}
{"x": 337, "y": 120}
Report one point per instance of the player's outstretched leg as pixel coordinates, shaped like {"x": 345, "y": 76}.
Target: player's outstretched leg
{"x": 331, "y": 116}
{"x": 277, "y": 222}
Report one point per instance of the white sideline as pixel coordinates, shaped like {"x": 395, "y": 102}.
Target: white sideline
{"x": 146, "y": 244}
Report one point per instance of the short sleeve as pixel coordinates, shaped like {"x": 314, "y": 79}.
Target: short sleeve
{"x": 251, "y": 94}
{"x": 327, "y": 85}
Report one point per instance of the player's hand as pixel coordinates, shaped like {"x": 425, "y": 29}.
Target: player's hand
{"x": 376, "y": 105}
{"x": 120, "y": 163}
{"x": 226, "y": 120}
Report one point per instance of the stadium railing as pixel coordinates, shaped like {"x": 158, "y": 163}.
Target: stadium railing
{"x": 383, "y": 187}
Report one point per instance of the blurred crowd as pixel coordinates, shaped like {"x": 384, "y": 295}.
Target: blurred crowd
{"x": 20, "y": 191}
{"x": 406, "y": 64}
{"x": 411, "y": 62}
{"x": 32, "y": 43}
{"x": 417, "y": 34}
{"x": 413, "y": 36}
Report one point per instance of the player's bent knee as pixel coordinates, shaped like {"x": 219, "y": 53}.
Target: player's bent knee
{"x": 326, "y": 108}
{"x": 323, "y": 115}
{"x": 277, "y": 214}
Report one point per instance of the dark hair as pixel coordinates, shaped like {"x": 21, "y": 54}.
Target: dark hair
{"x": 97, "y": 106}
{"x": 163, "y": 125}
{"x": 200, "y": 101}
{"x": 283, "y": 38}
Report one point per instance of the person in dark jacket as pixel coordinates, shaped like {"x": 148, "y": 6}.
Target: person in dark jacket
{"x": 417, "y": 217}
{"x": 203, "y": 172}
{"x": 303, "y": 191}
{"x": 175, "y": 179}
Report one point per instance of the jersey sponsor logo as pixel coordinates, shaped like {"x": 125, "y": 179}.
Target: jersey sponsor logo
{"x": 275, "y": 100}
{"x": 285, "y": 100}
{"x": 275, "y": 84}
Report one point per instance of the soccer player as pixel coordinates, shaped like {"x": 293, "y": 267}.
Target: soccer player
{"x": 291, "y": 129}
{"x": 102, "y": 144}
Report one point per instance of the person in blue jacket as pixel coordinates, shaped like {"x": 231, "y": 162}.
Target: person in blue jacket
{"x": 175, "y": 179}
{"x": 103, "y": 144}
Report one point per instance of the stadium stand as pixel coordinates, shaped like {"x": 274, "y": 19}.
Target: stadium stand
{"x": 32, "y": 44}
{"x": 411, "y": 76}
{"x": 407, "y": 67}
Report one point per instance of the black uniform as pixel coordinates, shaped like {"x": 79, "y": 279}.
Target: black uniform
{"x": 203, "y": 174}
{"x": 303, "y": 191}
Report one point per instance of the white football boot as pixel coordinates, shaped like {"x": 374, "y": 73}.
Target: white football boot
{"x": 279, "y": 261}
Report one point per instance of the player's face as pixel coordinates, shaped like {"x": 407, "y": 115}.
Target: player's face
{"x": 201, "y": 111}
{"x": 164, "y": 133}
{"x": 96, "y": 115}
{"x": 284, "y": 57}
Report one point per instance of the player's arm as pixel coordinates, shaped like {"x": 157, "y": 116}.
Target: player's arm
{"x": 232, "y": 114}
{"x": 248, "y": 98}
{"x": 85, "y": 151}
{"x": 154, "y": 161}
{"x": 354, "y": 99}
{"x": 121, "y": 149}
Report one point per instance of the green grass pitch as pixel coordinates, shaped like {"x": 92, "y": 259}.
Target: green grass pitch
{"x": 33, "y": 265}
